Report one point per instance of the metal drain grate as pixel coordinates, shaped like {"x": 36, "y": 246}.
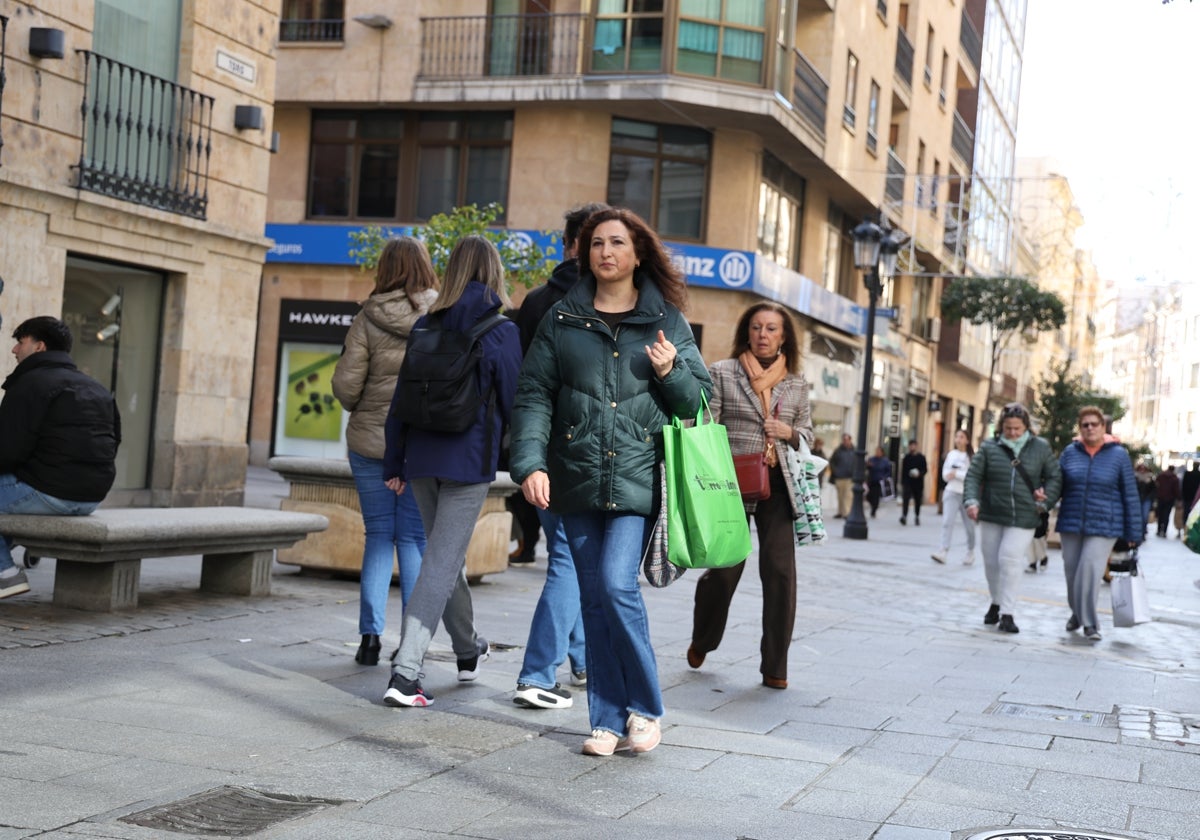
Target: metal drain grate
{"x": 1046, "y": 834}
{"x": 1022, "y": 710}
{"x": 228, "y": 812}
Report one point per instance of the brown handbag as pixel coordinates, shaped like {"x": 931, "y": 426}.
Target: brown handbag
{"x": 753, "y": 476}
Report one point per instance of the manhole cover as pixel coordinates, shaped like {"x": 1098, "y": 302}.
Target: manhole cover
{"x": 1046, "y": 834}
{"x": 1022, "y": 710}
{"x": 227, "y": 812}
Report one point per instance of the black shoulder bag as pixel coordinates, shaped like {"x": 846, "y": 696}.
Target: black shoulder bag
{"x": 1044, "y": 517}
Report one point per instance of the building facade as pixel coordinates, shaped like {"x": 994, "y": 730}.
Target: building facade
{"x": 133, "y": 194}
{"x": 754, "y": 136}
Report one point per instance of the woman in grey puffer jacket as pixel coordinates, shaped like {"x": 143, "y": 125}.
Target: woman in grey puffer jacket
{"x": 364, "y": 381}
{"x": 996, "y": 495}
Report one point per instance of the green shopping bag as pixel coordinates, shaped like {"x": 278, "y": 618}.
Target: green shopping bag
{"x": 706, "y": 522}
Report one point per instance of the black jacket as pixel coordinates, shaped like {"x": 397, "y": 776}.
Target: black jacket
{"x": 914, "y": 461}
{"x": 538, "y": 302}
{"x": 59, "y": 429}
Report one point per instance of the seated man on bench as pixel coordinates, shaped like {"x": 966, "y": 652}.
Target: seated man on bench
{"x": 59, "y": 432}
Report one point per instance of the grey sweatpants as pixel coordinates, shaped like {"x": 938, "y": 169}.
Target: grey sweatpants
{"x": 1084, "y": 559}
{"x": 448, "y": 510}
{"x": 1005, "y": 552}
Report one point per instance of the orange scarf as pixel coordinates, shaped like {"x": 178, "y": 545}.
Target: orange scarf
{"x": 762, "y": 380}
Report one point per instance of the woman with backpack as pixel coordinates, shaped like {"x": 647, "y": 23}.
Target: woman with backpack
{"x": 448, "y": 472}
{"x": 1010, "y": 481}
{"x": 363, "y": 382}
{"x": 609, "y": 365}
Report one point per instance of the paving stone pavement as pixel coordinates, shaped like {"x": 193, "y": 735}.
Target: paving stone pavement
{"x": 906, "y": 718}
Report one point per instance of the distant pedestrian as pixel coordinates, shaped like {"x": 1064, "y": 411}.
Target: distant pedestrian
{"x": 1100, "y": 504}
{"x": 1167, "y": 493}
{"x": 1190, "y": 491}
{"x": 1146, "y": 488}
{"x": 997, "y": 495}
{"x": 913, "y": 468}
{"x": 841, "y": 470}
{"x": 879, "y": 479}
{"x": 954, "y": 471}
{"x": 59, "y": 433}
{"x": 364, "y": 382}
{"x": 449, "y": 473}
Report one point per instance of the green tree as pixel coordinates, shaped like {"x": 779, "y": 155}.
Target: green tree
{"x": 528, "y": 264}
{"x": 1007, "y": 306}
{"x": 1060, "y": 395}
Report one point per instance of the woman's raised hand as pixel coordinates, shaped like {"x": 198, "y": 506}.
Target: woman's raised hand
{"x": 662, "y": 355}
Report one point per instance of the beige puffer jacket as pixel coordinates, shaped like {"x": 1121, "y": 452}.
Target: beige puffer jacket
{"x": 365, "y": 377}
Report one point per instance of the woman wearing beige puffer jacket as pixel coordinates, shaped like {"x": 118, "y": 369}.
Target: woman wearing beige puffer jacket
{"x": 364, "y": 381}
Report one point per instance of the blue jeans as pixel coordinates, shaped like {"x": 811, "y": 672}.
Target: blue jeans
{"x": 18, "y": 497}
{"x": 622, "y": 672}
{"x": 1146, "y": 505}
{"x": 393, "y": 530}
{"x": 556, "y": 631}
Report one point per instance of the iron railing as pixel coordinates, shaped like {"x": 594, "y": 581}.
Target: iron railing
{"x": 904, "y": 57}
{"x": 894, "y": 189}
{"x": 810, "y": 92}
{"x": 501, "y": 45}
{"x": 3, "y": 56}
{"x": 146, "y": 139}
{"x": 962, "y": 140}
{"x": 972, "y": 43}
{"x": 311, "y": 30}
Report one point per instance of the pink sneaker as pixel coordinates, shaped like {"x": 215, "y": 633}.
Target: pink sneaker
{"x": 602, "y": 742}
{"x": 644, "y": 734}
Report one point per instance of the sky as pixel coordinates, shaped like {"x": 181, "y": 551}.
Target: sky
{"x": 1109, "y": 90}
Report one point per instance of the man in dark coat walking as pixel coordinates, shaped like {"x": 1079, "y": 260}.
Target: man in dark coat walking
{"x": 912, "y": 481}
{"x": 59, "y": 432}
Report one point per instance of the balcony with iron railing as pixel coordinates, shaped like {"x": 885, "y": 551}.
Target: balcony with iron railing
{"x": 311, "y": 31}
{"x": 894, "y": 189}
{"x": 962, "y": 140}
{"x": 904, "y": 58}
{"x": 970, "y": 40}
{"x": 146, "y": 139}
{"x": 810, "y": 92}
{"x": 501, "y": 45}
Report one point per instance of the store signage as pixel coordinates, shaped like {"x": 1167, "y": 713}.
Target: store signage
{"x": 704, "y": 267}
{"x": 315, "y": 320}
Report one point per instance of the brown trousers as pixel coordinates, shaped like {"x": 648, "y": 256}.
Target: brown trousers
{"x": 777, "y": 571}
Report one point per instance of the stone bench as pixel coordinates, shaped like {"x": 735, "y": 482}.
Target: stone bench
{"x": 326, "y": 486}
{"x": 100, "y": 556}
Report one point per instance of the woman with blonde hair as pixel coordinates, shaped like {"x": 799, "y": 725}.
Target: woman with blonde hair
{"x": 448, "y": 473}
{"x": 609, "y": 365}
{"x": 363, "y": 382}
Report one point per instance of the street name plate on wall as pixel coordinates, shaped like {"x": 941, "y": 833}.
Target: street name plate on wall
{"x": 240, "y": 67}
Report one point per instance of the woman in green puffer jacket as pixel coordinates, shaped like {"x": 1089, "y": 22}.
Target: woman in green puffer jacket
{"x": 609, "y": 365}
{"x": 997, "y": 495}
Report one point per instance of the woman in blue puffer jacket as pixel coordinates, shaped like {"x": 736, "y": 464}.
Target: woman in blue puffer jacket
{"x": 1099, "y": 504}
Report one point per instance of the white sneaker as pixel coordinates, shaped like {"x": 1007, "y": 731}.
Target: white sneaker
{"x": 644, "y": 734}
{"x": 14, "y": 584}
{"x": 969, "y": 559}
{"x": 939, "y": 556}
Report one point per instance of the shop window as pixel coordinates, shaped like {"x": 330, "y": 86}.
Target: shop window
{"x": 628, "y": 36}
{"x": 780, "y": 208}
{"x": 115, "y": 315}
{"x": 406, "y": 165}
{"x": 722, "y": 38}
{"x": 661, "y": 173}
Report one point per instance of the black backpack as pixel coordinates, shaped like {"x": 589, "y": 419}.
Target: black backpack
{"x": 438, "y": 387}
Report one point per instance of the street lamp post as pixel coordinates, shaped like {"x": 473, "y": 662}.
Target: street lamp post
{"x": 871, "y": 242}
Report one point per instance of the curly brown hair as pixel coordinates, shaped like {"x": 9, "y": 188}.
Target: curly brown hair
{"x": 791, "y": 338}
{"x": 655, "y": 262}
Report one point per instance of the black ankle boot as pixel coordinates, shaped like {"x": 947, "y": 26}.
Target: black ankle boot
{"x": 368, "y": 650}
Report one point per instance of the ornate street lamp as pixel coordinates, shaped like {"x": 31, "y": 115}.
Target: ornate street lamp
{"x": 875, "y": 252}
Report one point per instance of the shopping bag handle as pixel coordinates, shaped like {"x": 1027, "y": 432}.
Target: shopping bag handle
{"x": 678, "y": 423}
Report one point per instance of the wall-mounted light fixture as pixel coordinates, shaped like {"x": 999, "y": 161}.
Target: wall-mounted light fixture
{"x": 108, "y": 332}
{"x": 247, "y": 116}
{"x": 374, "y": 21}
{"x": 274, "y": 142}
{"x": 110, "y": 305}
{"x": 47, "y": 43}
